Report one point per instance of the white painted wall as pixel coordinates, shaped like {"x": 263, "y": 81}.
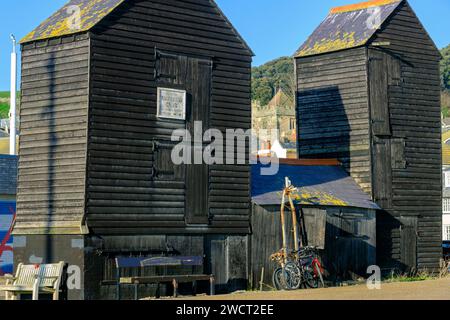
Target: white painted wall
{"x": 445, "y": 225}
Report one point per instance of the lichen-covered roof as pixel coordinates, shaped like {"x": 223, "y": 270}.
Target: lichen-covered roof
{"x": 348, "y": 27}
{"x": 64, "y": 21}
{"x": 318, "y": 185}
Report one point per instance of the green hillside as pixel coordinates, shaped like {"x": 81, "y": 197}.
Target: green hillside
{"x": 279, "y": 74}
{"x": 445, "y": 68}
{"x": 4, "y": 105}
{"x": 445, "y": 81}
{"x": 272, "y": 76}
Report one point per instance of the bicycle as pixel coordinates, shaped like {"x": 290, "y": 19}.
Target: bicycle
{"x": 300, "y": 268}
{"x": 302, "y": 265}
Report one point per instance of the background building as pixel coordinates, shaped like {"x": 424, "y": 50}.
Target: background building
{"x": 446, "y": 186}
{"x": 8, "y": 186}
{"x": 278, "y": 114}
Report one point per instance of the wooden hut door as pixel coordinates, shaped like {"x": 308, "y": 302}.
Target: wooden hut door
{"x": 382, "y": 172}
{"x": 195, "y": 76}
{"x": 379, "y": 98}
{"x": 408, "y": 242}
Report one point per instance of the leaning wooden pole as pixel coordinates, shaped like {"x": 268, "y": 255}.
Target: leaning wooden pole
{"x": 283, "y": 226}
{"x": 294, "y": 223}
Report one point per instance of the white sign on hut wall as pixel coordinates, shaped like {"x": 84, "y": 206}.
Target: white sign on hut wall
{"x": 171, "y": 104}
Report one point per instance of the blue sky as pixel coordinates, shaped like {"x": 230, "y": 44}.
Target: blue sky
{"x": 272, "y": 28}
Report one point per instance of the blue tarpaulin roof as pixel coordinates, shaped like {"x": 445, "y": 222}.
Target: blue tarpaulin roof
{"x": 317, "y": 185}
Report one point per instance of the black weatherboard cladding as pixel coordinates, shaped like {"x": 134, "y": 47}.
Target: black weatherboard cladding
{"x": 53, "y": 113}
{"x": 382, "y": 107}
{"x": 413, "y": 93}
{"x": 92, "y": 149}
{"x": 123, "y": 194}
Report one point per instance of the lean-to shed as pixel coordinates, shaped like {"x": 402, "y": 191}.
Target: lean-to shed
{"x": 338, "y": 216}
{"x": 368, "y": 94}
{"x": 104, "y": 85}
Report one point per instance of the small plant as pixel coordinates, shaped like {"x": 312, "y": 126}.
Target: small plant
{"x": 444, "y": 268}
{"x": 412, "y": 276}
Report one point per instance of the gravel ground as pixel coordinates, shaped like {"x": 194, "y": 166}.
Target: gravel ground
{"x": 420, "y": 290}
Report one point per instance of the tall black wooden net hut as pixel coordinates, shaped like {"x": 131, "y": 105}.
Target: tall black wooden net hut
{"x": 95, "y": 175}
{"x": 368, "y": 94}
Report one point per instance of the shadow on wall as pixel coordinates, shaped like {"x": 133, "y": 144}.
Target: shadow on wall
{"x": 49, "y": 115}
{"x": 324, "y": 129}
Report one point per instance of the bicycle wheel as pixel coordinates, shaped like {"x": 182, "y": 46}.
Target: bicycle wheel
{"x": 310, "y": 280}
{"x": 278, "y": 279}
{"x": 293, "y": 276}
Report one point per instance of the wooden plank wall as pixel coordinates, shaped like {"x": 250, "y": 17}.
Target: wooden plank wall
{"x": 335, "y": 85}
{"x": 123, "y": 197}
{"x": 53, "y": 112}
{"x": 350, "y": 241}
{"x": 414, "y": 107}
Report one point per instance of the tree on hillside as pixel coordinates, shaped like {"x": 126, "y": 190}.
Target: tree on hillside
{"x": 445, "y": 68}
{"x": 271, "y": 77}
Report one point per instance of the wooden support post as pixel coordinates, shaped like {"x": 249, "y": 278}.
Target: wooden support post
{"x": 194, "y": 288}
{"x": 158, "y": 290}
{"x": 294, "y": 223}
{"x": 261, "y": 283}
{"x": 136, "y": 284}
{"x": 212, "y": 286}
{"x": 175, "y": 288}
{"x": 283, "y": 226}
{"x": 118, "y": 283}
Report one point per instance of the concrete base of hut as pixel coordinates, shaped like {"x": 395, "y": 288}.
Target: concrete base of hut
{"x": 91, "y": 261}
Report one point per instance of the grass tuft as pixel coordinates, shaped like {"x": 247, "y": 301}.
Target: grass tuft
{"x": 413, "y": 276}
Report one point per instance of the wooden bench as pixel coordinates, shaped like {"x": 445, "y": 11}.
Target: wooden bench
{"x": 175, "y": 280}
{"x": 34, "y": 279}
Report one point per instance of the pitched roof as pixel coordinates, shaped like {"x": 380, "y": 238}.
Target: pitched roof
{"x": 8, "y": 175}
{"x": 348, "y": 27}
{"x": 91, "y": 13}
{"x": 281, "y": 99}
{"x": 323, "y": 185}
{"x": 61, "y": 23}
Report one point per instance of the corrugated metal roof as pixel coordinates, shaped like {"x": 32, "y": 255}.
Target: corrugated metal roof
{"x": 62, "y": 22}
{"x": 348, "y": 27}
{"x": 317, "y": 185}
{"x": 8, "y": 175}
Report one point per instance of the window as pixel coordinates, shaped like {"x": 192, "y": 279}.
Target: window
{"x": 446, "y": 205}
{"x": 446, "y": 232}
{"x": 447, "y": 179}
{"x": 292, "y": 124}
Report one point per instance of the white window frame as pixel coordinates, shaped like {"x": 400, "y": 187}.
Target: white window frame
{"x": 447, "y": 179}
{"x": 446, "y": 205}
{"x": 447, "y": 232}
